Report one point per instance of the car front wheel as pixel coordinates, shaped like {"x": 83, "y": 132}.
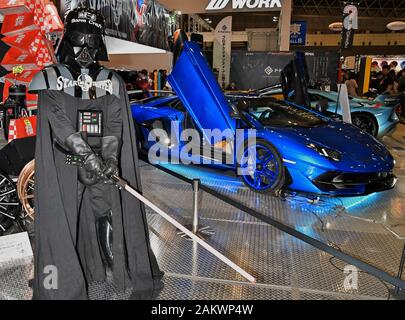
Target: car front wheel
{"x": 262, "y": 167}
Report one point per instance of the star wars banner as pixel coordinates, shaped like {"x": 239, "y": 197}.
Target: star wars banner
{"x": 222, "y": 50}
{"x": 350, "y": 25}
{"x": 142, "y": 21}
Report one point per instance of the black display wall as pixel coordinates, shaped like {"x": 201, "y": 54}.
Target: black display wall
{"x": 254, "y": 70}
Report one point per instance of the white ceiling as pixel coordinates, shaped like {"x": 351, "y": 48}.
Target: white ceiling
{"x": 126, "y": 55}
{"x": 118, "y": 46}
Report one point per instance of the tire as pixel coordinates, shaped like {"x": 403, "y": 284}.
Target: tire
{"x": 366, "y": 123}
{"x": 9, "y": 204}
{"x": 26, "y": 190}
{"x": 269, "y": 175}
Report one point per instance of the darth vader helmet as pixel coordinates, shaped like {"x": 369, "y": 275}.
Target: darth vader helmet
{"x": 83, "y": 39}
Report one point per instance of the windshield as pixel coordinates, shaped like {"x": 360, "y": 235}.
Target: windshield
{"x": 271, "y": 112}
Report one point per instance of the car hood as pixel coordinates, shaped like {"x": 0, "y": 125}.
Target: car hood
{"x": 196, "y": 86}
{"x": 345, "y": 138}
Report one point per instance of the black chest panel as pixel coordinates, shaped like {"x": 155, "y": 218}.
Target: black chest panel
{"x": 92, "y": 117}
{"x": 90, "y": 122}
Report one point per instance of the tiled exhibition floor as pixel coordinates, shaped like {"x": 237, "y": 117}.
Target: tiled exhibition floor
{"x": 370, "y": 228}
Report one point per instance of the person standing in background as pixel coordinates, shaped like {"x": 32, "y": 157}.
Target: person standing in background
{"x": 142, "y": 81}
{"x": 352, "y": 85}
{"x": 401, "y": 91}
{"x": 375, "y": 67}
{"x": 401, "y": 82}
{"x": 232, "y": 87}
{"x": 393, "y": 71}
{"x": 387, "y": 82}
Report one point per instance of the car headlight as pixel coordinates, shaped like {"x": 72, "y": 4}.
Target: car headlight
{"x": 326, "y": 152}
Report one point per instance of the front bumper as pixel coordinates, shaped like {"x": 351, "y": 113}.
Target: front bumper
{"x": 351, "y": 184}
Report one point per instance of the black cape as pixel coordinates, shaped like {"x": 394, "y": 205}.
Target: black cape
{"x": 66, "y": 239}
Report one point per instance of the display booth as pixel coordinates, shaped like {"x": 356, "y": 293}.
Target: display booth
{"x": 280, "y": 185}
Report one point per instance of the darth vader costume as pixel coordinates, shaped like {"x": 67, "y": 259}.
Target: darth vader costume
{"x": 84, "y": 224}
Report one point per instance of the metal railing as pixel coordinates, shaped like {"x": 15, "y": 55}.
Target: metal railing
{"x": 396, "y": 281}
{"x": 125, "y": 186}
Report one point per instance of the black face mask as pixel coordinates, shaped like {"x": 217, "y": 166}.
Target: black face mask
{"x": 83, "y": 44}
{"x": 85, "y": 47}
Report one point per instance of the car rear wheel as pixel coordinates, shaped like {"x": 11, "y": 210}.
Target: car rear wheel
{"x": 365, "y": 123}
{"x": 262, "y": 167}
{"x": 9, "y": 204}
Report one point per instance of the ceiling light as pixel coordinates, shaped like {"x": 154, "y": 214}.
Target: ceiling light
{"x": 396, "y": 26}
{"x": 336, "y": 26}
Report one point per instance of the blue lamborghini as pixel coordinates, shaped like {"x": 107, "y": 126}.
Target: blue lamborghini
{"x": 286, "y": 146}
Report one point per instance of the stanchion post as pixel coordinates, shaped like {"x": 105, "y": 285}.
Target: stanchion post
{"x": 400, "y": 271}
{"x": 196, "y": 189}
{"x": 203, "y": 232}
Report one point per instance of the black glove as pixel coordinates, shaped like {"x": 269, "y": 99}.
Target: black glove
{"x": 110, "y": 150}
{"x": 79, "y": 147}
{"x": 111, "y": 168}
{"x": 87, "y": 178}
{"x": 94, "y": 164}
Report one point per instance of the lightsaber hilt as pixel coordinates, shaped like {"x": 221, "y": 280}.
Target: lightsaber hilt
{"x": 119, "y": 182}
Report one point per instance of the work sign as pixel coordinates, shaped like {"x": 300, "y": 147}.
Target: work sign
{"x": 244, "y": 5}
